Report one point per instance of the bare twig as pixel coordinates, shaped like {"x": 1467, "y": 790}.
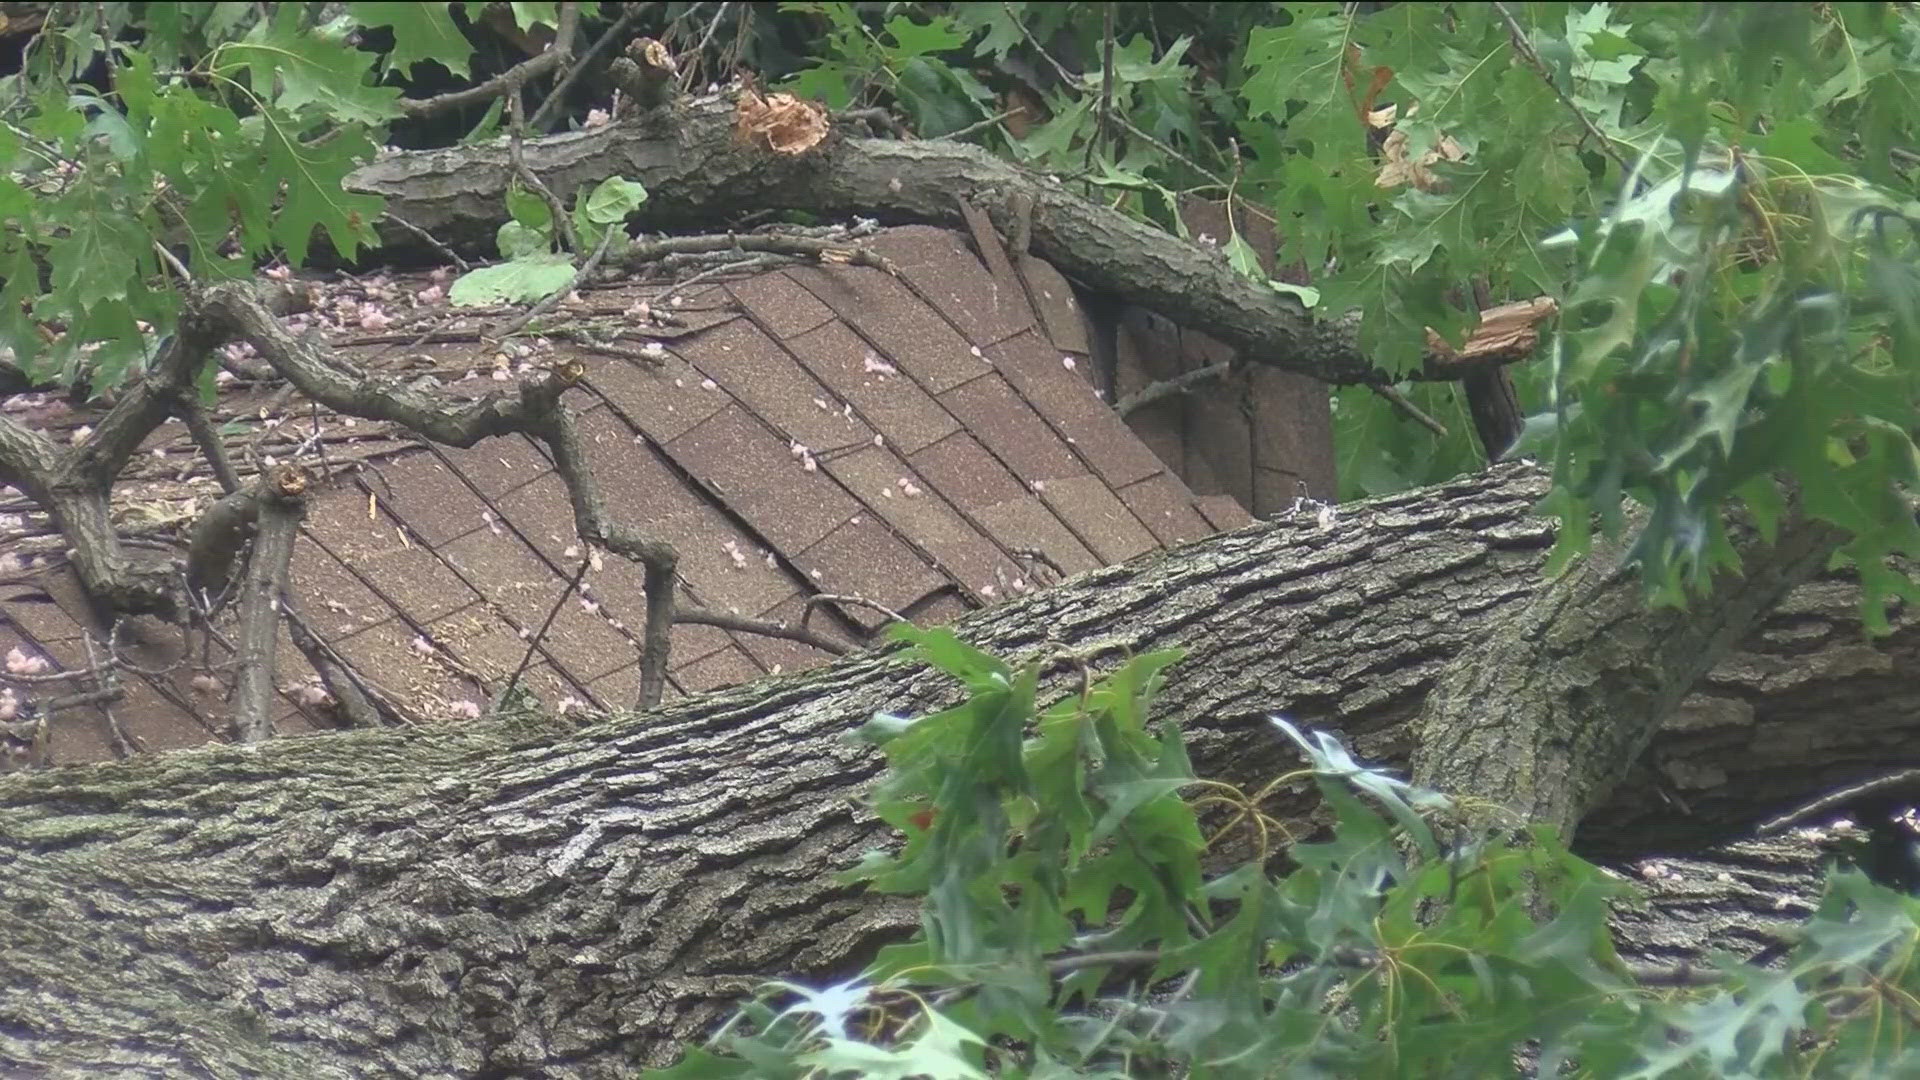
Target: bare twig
{"x": 516, "y": 136}
{"x": 578, "y": 66}
{"x": 552, "y": 300}
{"x": 509, "y": 81}
{"x": 1413, "y": 412}
{"x": 533, "y": 642}
{"x": 1035, "y": 555}
{"x": 1166, "y": 388}
{"x": 428, "y": 239}
{"x": 1525, "y": 48}
{"x": 691, "y": 70}
{"x": 806, "y": 613}
{"x": 764, "y": 627}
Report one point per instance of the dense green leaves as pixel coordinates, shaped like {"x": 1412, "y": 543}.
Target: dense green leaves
{"x": 1069, "y": 930}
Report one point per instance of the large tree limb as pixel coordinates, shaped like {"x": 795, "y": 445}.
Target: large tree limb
{"x": 697, "y": 173}
{"x": 446, "y": 902}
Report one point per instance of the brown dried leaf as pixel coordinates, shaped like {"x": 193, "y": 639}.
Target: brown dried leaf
{"x": 1397, "y": 169}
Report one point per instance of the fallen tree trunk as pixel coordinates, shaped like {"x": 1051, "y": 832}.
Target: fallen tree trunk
{"x": 491, "y": 900}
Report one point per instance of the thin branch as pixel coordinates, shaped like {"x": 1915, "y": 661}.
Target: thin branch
{"x": 509, "y": 81}
{"x": 516, "y": 137}
{"x": 552, "y": 300}
{"x": 1525, "y": 48}
{"x": 1166, "y": 388}
{"x": 763, "y": 627}
{"x": 542, "y": 115}
{"x": 806, "y": 613}
{"x": 533, "y": 643}
{"x": 1406, "y": 406}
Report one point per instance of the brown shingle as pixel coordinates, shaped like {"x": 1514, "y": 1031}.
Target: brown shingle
{"x": 1026, "y": 522}
{"x": 1165, "y": 507}
{"x": 1006, "y": 425}
{"x": 35, "y": 610}
{"x": 904, "y": 413}
{"x": 941, "y": 267}
{"x": 526, "y": 589}
{"x": 960, "y": 469}
{"x": 388, "y": 649}
{"x": 757, "y": 475}
{"x": 435, "y": 504}
{"x": 411, "y": 576}
{"x": 337, "y": 602}
{"x": 1066, "y": 399}
{"x": 635, "y": 480}
{"x": 1293, "y": 430}
{"x": 913, "y": 336}
{"x": 708, "y": 566}
{"x": 542, "y": 514}
{"x": 663, "y": 401}
{"x": 1092, "y": 511}
{"x": 780, "y": 305}
{"x": 1222, "y": 511}
{"x": 924, "y": 519}
{"x": 755, "y": 369}
{"x": 1219, "y": 444}
{"x": 782, "y": 654}
{"x": 728, "y": 666}
{"x": 867, "y": 560}
{"x": 497, "y": 465}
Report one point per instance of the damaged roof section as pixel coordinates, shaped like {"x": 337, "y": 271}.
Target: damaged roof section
{"x": 828, "y": 443}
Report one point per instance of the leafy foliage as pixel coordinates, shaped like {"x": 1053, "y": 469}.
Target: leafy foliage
{"x": 1072, "y": 925}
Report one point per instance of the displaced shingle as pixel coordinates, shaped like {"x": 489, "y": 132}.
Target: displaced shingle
{"x": 905, "y": 414}
{"x": 1093, "y": 512}
{"x": 755, "y": 369}
{"x": 758, "y": 476}
{"x": 779, "y": 304}
{"x": 868, "y": 561}
{"x": 1006, "y": 425}
{"x": 913, "y": 336}
{"x": 1054, "y": 302}
{"x": 941, "y": 267}
{"x": 1165, "y": 507}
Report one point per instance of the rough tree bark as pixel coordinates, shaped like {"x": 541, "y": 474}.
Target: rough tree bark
{"x": 481, "y": 901}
